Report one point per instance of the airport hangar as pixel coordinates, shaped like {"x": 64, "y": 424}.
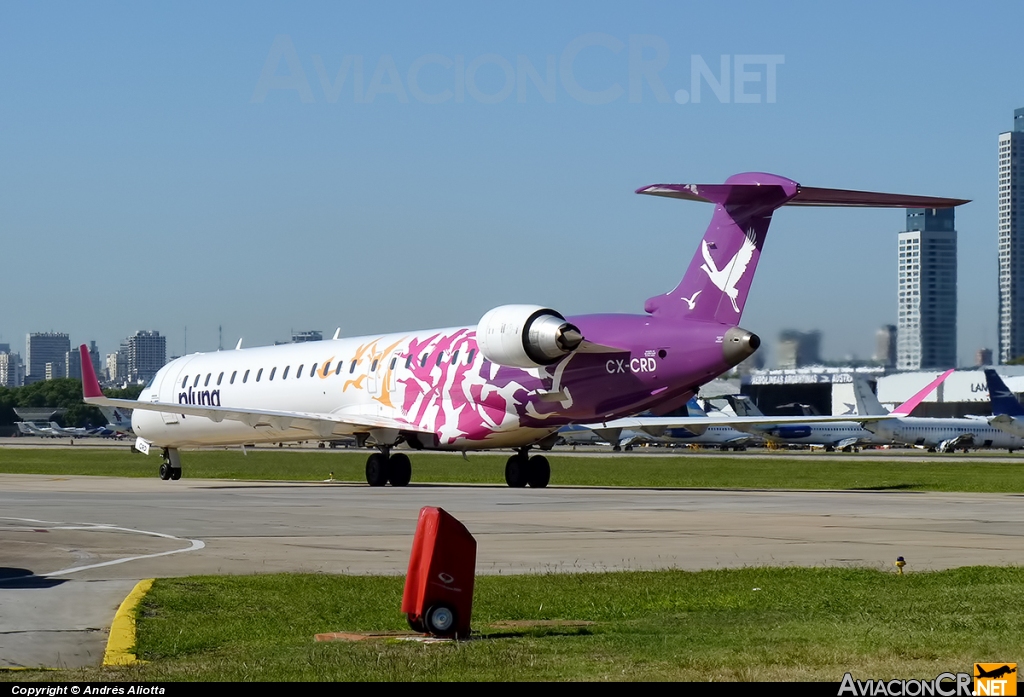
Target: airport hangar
{"x": 829, "y": 389}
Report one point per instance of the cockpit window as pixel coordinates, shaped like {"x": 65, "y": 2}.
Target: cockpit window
{"x": 150, "y": 382}
{"x": 184, "y": 381}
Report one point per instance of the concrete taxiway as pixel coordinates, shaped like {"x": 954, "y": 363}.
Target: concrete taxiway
{"x": 71, "y": 547}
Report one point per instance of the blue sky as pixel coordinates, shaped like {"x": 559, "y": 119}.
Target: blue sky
{"x": 154, "y": 175}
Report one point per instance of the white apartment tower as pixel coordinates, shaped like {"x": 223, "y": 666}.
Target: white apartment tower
{"x": 1011, "y": 238}
{"x": 926, "y": 330}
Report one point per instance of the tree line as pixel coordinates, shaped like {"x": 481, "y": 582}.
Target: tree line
{"x": 63, "y": 393}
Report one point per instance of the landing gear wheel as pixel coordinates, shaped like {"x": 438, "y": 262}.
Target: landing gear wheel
{"x": 376, "y": 470}
{"x": 165, "y": 471}
{"x": 175, "y": 474}
{"x": 440, "y": 620}
{"x": 517, "y": 471}
{"x": 616, "y": 448}
{"x": 399, "y": 469}
{"x": 539, "y": 472}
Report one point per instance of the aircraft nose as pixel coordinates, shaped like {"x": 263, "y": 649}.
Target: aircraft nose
{"x": 739, "y": 344}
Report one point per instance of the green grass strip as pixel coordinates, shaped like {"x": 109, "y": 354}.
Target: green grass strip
{"x": 746, "y": 624}
{"x": 842, "y": 471}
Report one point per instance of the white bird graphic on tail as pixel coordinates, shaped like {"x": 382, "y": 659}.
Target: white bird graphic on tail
{"x": 726, "y": 278}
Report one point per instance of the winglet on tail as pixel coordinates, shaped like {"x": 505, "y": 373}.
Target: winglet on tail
{"x": 909, "y": 405}
{"x": 90, "y": 385}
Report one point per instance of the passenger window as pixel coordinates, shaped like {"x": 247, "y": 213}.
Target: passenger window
{"x": 327, "y": 369}
{"x": 341, "y": 364}
{"x": 272, "y": 371}
{"x": 259, "y": 374}
{"x": 245, "y": 378}
{"x": 184, "y": 382}
{"x": 353, "y": 368}
{"x": 373, "y": 366}
{"x": 440, "y": 357}
{"x": 220, "y": 379}
{"x": 284, "y": 375}
{"x": 455, "y": 356}
{"x": 393, "y": 361}
{"x": 206, "y": 382}
{"x": 196, "y": 383}
{"x": 408, "y": 362}
{"x": 469, "y": 357}
{"x": 423, "y": 362}
{"x": 233, "y": 374}
{"x": 298, "y": 372}
{"x": 313, "y": 371}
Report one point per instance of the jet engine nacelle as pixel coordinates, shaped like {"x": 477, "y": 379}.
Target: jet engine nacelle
{"x": 526, "y": 336}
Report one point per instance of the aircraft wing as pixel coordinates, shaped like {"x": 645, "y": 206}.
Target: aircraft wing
{"x": 322, "y": 424}
{"x": 646, "y": 422}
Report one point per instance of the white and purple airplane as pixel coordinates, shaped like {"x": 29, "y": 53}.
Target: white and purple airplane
{"x": 511, "y": 381}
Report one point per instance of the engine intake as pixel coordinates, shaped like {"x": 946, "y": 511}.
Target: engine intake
{"x": 526, "y": 336}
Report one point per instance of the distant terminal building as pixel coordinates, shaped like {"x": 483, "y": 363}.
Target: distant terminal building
{"x": 147, "y": 354}
{"x": 829, "y": 389}
{"x": 885, "y": 346}
{"x": 1011, "y": 240}
{"x": 302, "y": 337}
{"x": 826, "y": 389}
{"x": 926, "y": 331}
{"x": 42, "y": 349}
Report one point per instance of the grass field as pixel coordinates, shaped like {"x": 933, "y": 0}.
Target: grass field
{"x": 840, "y": 471}
{"x": 748, "y": 624}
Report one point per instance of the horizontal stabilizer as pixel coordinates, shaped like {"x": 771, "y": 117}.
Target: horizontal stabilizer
{"x": 804, "y": 196}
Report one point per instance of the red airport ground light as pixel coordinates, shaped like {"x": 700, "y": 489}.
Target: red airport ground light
{"x": 438, "y": 596}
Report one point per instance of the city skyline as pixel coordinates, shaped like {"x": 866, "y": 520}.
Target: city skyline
{"x": 260, "y": 207}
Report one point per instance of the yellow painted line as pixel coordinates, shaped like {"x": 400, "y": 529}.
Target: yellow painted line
{"x": 122, "y": 631}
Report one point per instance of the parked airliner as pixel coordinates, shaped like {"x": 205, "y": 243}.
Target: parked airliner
{"x": 942, "y": 434}
{"x": 511, "y": 381}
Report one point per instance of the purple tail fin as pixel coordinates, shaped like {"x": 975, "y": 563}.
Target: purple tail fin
{"x": 717, "y": 282}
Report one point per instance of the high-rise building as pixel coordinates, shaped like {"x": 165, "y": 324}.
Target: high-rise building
{"x": 73, "y": 365}
{"x": 12, "y": 373}
{"x": 885, "y": 345}
{"x": 147, "y": 353}
{"x": 798, "y": 349}
{"x": 926, "y": 332}
{"x": 1011, "y": 240}
{"x": 983, "y": 357}
{"x": 42, "y": 348}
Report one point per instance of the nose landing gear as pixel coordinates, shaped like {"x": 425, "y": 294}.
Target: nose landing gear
{"x": 170, "y": 468}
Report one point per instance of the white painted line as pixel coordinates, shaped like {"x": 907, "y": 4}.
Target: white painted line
{"x": 194, "y": 545}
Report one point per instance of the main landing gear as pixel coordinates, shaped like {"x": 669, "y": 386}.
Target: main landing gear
{"x": 395, "y": 468}
{"x": 383, "y": 467}
{"x": 170, "y": 468}
{"x": 521, "y": 470}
